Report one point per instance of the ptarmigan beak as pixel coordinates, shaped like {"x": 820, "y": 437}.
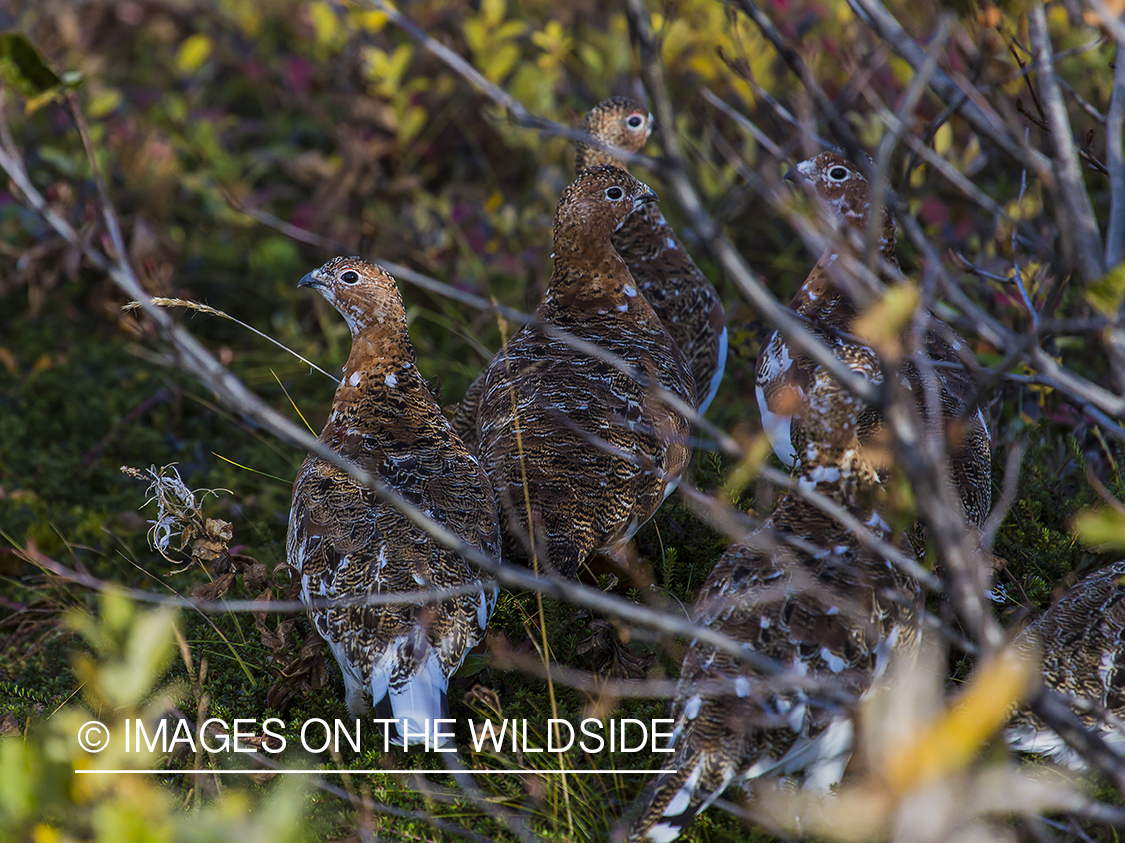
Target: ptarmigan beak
{"x": 646, "y": 198}
{"x": 801, "y": 172}
{"x": 311, "y": 280}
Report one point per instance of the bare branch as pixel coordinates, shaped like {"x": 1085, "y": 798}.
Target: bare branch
{"x": 1086, "y": 248}
{"x": 41, "y": 560}
{"x": 1007, "y": 496}
{"x": 1115, "y": 163}
{"x": 761, "y": 137}
{"x": 1052, "y": 707}
{"x": 969, "y": 103}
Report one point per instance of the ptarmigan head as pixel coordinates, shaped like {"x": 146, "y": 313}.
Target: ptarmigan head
{"x": 595, "y": 205}
{"x": 366, "y": 295}
{"x": 618, "y": 122}
{"x": 841, "y": 186}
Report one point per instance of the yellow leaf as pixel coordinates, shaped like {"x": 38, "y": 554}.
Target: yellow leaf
{"x": 475, "y": 35}
{"x": 883, "y": 322}
{"x": 326, "y": 24}
{"x": 195, "y": 50}
{"x": 42, "y": 364}
{"x": 372, "y": 21}
{"x": 45, "y": 834}
{"x": 551, "y": 37}
{"x": 943, "y": 140}
{"x": 496, "y": 66}
{"x": 249, "y": 20}
{"x": 509, "y": 30}
{"x": 411, "y": 123}
{"x": 492, "y": 11}
{"x": 103, "y": 103}
{"x": 952, "y": 739}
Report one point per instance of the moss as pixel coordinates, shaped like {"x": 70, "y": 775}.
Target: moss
{"x": 1035, "y": 540}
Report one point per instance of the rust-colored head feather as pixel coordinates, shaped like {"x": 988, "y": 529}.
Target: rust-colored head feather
{"x": 842, "y": 187}
{"x": 593, "y": 207}
{"x": 618, "y": 122}
{"x": 368, "y": 298}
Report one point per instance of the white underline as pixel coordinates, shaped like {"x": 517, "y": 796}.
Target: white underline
{"x": 366, "y": 772}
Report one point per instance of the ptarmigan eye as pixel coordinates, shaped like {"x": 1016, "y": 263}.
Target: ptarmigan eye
{"x": 614, "y": 193}
{"x": 350, "y": 277}
{"x": 838, "y": 173}
{"x": 635, "y": 121}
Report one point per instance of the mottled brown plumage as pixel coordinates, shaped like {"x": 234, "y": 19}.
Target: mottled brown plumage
{"x": 686, "y": 302}
{"x": 598, "y": 449}
{"x": 344, "y": 542}
{"x": 801, "y": 591}
{"x": 1081, "y": 641}
{"x": 782, "y": 375}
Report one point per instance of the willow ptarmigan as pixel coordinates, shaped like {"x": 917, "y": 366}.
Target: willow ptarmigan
{"x": 662, "y": 270}
{"x": 345, "y": 542}
{"x": 782, "y": 376}
{"x": 801, "y": 591}
{"x": 590, "y": 449}
{"x": 1081, "y": 641}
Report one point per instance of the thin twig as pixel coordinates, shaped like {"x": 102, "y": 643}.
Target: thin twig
{"x": 736, "y": 268}
{"x": 200, "y": 363}
{"x": 826, "y": 110}
{"x": 761, "y": 137}
{"x": 1086, "y": 246}
{"x": 887, "y": 143}
{"x": 199, "y": 307}
{"x": 970, "y": 105}
{"x": 1115, "y": 163}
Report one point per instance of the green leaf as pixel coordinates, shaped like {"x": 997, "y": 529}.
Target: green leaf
{"x": 23, "y": 69}
{"x": 1100, "y": 528}
{"x": 17, "y": 774}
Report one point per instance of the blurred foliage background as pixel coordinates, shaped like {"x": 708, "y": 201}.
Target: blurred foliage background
{"x": 246, "y": 141}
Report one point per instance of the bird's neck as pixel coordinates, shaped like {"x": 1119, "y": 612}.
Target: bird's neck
{"x": 381, "y": 347}
{"x": 887, "y": 233}
{"x": 587, "y": 155}
{"x": 377, "y": 390}
{"x": 820, "y": 297}
{"x": 593, "y": 275}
